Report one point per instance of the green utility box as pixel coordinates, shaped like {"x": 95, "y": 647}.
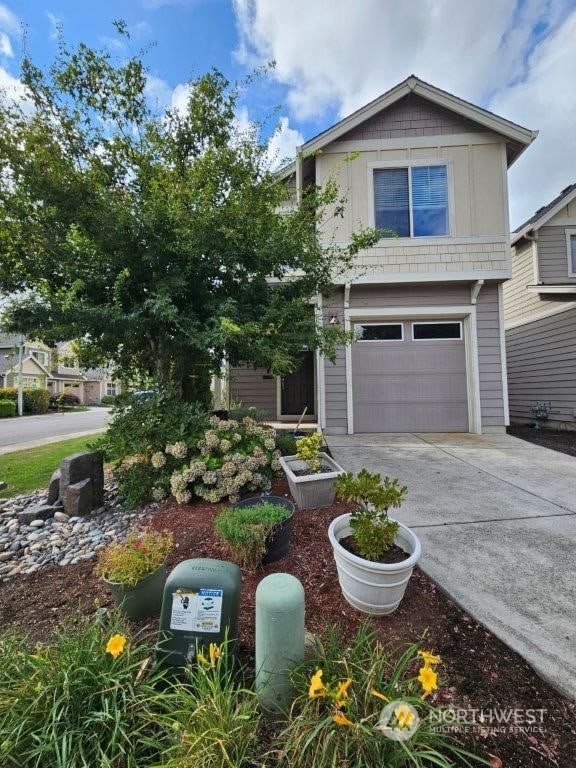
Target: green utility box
{"x": 200, "y": 606}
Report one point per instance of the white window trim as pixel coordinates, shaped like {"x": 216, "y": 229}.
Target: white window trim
{"x": 437, "y": 322}
{"x": 570, "y": 233}
{"x": 378, "y": 164}
{"x": 379, "y": 341}
{"x": 466, "y": 313}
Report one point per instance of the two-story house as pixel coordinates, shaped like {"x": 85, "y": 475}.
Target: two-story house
{"x": 426, "y": 306}
{"x": 36, "y": 357}
{"x": 540, "y": 312}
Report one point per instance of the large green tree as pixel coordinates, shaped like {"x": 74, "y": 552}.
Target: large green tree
{"x": 155, "y": 238}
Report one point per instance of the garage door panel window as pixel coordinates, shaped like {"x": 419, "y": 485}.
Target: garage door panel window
{"x": 379, "y": 331}
{"x": 411, "y": 202}
{"x": 436, "y": 331}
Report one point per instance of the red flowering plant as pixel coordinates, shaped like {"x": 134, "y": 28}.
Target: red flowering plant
{"x": 141, "y": 553}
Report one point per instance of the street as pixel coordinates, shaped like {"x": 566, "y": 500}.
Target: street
{"x": 28, "y": 429}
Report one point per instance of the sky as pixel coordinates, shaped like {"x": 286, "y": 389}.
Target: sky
{"x": 514, "y": 57}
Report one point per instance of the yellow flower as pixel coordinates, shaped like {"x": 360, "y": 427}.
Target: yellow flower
{"x": 202, "y": 659}
{"x": 317, "y": 687}
{"x": 341, "y": 696}
{"x": 115, "y": 645}
{"x": 429, "y": 679}
{"x": 379, "y": 695}
{"x": 404, "y": 716}
{"x": 214, "y": 653}
{"x": 341, "y": 719}
{"x": 429, "y": 658}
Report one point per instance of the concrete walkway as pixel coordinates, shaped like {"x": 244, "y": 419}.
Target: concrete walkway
{"x": 497, "y": 520}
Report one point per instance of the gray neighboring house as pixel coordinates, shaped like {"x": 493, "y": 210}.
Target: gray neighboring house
{"x": 426, "y": 308}
{"x": 540, "y": 312}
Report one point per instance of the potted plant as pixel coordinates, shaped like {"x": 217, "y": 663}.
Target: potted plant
{"x": 374, "y": 554}
{"x": 311, "y": 473}
{"x": 257, "y": 531}
{"x": 135, "y": 571}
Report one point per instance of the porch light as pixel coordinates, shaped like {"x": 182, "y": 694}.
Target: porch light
{"x": 334, "y": 320}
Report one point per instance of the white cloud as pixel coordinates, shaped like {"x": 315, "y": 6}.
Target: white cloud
{"x": 55, "y": 25}
{"x": 329, "y": 56}
{"x": 5, "y": 45}
{"x": 8, "y": 20}
{"x": 11, "y": 87}
{"x": 283, "y": 143}
{"x": 158, "y": 91}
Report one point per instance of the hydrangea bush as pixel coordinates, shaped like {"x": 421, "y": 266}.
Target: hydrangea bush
{"x": 233, "y": 457}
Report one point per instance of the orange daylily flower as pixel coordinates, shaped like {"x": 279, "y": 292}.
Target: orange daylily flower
{"x": 317, "y": 687}
{"x": 428, "y": 679}
{"x": 341, "y": 719}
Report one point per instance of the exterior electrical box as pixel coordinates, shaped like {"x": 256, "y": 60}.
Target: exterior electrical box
{"x": 200, "y": 606}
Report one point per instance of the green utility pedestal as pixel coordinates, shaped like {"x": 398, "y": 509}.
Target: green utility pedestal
{"x": 200, "y": 606}
{"x": 279, "y": 639}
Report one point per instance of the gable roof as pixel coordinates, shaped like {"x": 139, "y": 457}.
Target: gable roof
{"x": 545, "y": 213}
{"x": 12, "y": 367}
{"x": 517, "y": 137}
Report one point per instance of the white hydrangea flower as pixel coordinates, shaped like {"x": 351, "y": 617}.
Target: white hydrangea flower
{"x": 158, "y": 494}
{"x": 158, "y": 460}
{"x": 269, "y": 444}
{"x": 225, "y": 445}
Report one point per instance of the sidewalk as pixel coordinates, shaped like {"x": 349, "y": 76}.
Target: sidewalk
{"x": 46, "y": 441}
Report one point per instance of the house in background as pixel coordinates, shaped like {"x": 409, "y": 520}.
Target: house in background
{"x": 56, "y": 369}
{"x": 540, "y": 312}
{"x": 426, "y": 307}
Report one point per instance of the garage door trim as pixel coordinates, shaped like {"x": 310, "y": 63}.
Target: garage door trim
{"x": 466, "y": 313}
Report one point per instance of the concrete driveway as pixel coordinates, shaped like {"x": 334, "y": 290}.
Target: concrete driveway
{"x": 497, "y": 520}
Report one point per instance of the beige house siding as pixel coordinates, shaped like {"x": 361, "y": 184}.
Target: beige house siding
{"x": 541, "y": 359}
{"x": 250, "y": 386}
{"x": 518, "y": 302}
{"x": 553, "y": 255}
{"x": 335, "y": 374}
{"x": 412, "y": 116}
{"x": 490, "y": 357}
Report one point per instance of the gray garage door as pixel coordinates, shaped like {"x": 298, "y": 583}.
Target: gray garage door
{"x": 409, "y": 376}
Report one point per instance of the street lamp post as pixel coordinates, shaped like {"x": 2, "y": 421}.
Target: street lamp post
{"x": 20, "y": 388}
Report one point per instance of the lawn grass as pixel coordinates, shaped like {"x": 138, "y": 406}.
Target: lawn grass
{"x": 31, "y": 469}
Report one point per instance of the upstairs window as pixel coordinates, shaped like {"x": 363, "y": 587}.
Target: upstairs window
{"x": 413, "y": 202}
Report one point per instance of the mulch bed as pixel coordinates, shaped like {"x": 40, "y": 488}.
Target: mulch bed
{"x": 563, "y": 440}
{"x": 478, "y": 670}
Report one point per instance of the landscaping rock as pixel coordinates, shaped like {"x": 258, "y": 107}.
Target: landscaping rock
{"x": 79, "y": 467}
{"x": 3, "y": 485}
{"x": 61, "y": 517}
{"x": 54, "y": 487}
{"x": 79, "y": 498}
{"x": 35, "y": 512}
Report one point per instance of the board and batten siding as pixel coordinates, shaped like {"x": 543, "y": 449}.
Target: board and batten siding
{"x": 490, "y": 357}
{"x": 416, "y": 296}
{"x": 553, "y": 255}
{"x": 253, "y": 387}
{"x": 520, "y": 303}
{"x": 541, "y": 359}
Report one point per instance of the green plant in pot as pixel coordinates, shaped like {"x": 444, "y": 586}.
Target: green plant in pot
{"x": 249, "y": 529}
{"x": 363, "y": 541}
{"x": 135, "y": 571}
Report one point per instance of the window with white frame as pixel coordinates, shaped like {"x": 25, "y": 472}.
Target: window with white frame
{"x": 431, "y": 330}
{"x": 31, "y": 382}
{"x": 411, "y": 202}
{"x": 378, "y": 331}
{"x": 42, "y": 357}
{"x": 571, "y": 246}
{"x": 111, "y": 389}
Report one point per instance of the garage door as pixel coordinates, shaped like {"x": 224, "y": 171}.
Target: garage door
{"x": 409, "y": 376}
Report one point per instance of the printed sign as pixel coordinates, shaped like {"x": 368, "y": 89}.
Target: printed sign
{"x": 197, "y": 611}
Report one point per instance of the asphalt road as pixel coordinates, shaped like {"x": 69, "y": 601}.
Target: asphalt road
{"x": 45, "y": 428}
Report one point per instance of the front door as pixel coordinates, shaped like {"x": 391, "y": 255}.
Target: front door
{"x": 298, "y": 388}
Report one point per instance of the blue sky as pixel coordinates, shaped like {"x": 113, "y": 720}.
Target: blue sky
{"x": 515, "y": 57}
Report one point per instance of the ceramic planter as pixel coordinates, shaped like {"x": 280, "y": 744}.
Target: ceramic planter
{"x": 142, "y": 600}
{"x": 278, "y": 542}
{"x": 374, "y": 588}
{"x": 309, "y": 491}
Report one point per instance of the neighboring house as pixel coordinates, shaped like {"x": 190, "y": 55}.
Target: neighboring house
{"x": 35, "y": 362}
{"x": 540, "y": 312}
{"x": 65, "y": 374}
{"x": 426, "y": 307}
{"x": 99, "y": 383}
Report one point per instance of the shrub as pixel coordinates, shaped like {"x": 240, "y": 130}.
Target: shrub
{"x": 286, "y": 444}
{"x": 7, "y": 408}
{"x": 64, "y": 399}
{"x": 234, "y": 458}
{"x": 246, "y": 529}
{"x": 239, "y": 412}
{"x": 373, "y": 531}
{"x": 109, "y": 399}
{"x": 308, "y": 449}
{"x": 84, "y": 700}
{"x": 136, "y": 482}
{"x": 9, "y": 393}
{"x": 362, "y": 705}
{"x": 36, "y": 400}
{"x": 129, "y": 561}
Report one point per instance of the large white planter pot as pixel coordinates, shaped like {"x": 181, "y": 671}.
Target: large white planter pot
{"x": 375, "y": 588}
{"x": 309, "y": 491}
